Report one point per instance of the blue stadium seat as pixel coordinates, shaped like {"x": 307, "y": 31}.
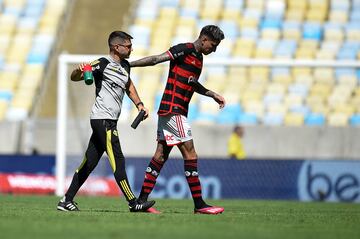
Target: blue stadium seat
{"x": 231, "y": 4}
{"x": 186, "y": 12}
{"x": 273, "y": 119}
{"x": 193, "y": 112}
{"x": 169, "y": 3}
{"x": 298, "y": 89}
{"x": 280, "y": 71}
{"x": 270, "y": 23}
{"x": 285, "y": 48}
{"x": 6, "y": 95}
{"x": 230, "y": 114}
{"x": 355, "y": 120}
{"x": 230, "y": 28}
{"x": 312, "y": 31}
{"x": 247, "y": 119}
{"x": 302, "y": 109}
{"x": 206, "y": 117}
{"x": 252, "y": 33}
{"x": 315, "y": 119}
{"x": 344, "y": 71}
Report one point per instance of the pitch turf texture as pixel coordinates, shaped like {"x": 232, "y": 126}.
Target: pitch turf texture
{"x": 35, "y": 217}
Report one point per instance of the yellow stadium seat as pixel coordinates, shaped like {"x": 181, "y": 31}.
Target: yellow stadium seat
{"x": 301, "y": 71}
{"x": 7, "y": 24}
{"x": 250, "y": 96}
{"x": 231, "y": 97}
{"x": 338, "y": 119}
{"x": 8, "y": 80}
{"x": 271, "y": 34}
{"x": 277, "y": 108}
{"x": 334, "y": 35}
{"x": 259, "y": 72}
{"x": 320, "y": 109}
{"x": 168, "y": 12}
{"x": 344, "y": 108}
{"x": 255, "y": 4}
{"x": 338, "y": 16}
{"x": 231, "y": 14}
{"x": 276, "y": 88}
{"x": 282, "y": 79}
{"x": 296, "y": 4}
{"x": 263, "y": 53}
{"x": 254, "y": 107}
{"x": 295, "y": 14}
{"x": 3, "y": 109}
{"x": 309, "y": 44}
{"x": 304, "y": 53}
{"x": 321, "y": 89}
{"x": 324, "y": 75}
{"x": 294, "y": 119}
{"x": 312, "y": 100}
{"x": 292, "y": 34}
{"x": 353, "y": 35}
{"x": 325, "y": 55}
{"x": 357, "y": 91}
{"x": 304, "y": 79}
{"x": 248, "y": 22}
{"x": 316, "y": 15}
{"x": 210, "y": 13}
{"x": 349, "y": 80}
{"x": 293, "y": 100}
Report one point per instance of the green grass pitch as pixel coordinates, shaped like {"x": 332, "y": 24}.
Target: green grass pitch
{"x": 36, "y": 217}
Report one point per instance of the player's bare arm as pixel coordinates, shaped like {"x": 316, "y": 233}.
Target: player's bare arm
{"x": 151, "y": 60}
{"x": 134, "y": 96}
{"x": 199, "y": 88}
{"x": 76, "y": 75}
{"x": 218, "y": 98}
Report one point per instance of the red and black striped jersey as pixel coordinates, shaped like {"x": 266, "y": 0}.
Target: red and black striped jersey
{"x": 185, "y": 67}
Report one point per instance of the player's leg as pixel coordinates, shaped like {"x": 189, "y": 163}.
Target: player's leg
{"x": 153, "y": 170}
{"x": 192, "y": 177}
{"x": 117, "y": 162}
{"x": 91, "y": 158}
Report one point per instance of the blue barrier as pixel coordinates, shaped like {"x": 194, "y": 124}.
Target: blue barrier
{"x": 305, "y": 180}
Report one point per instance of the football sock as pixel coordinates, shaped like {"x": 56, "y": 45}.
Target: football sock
{"x": 192, "y": 178}
{"x": 151, "y": 174}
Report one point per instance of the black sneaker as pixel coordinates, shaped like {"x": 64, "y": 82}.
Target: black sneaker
{"x": 67, "y": 206}
{"x": 141, "y": 206}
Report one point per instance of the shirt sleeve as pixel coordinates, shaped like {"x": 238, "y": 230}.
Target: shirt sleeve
{"x": 98, "y": 66}
{"x": 178, "y": 51}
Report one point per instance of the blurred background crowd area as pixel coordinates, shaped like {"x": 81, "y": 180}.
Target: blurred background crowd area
{"x": 34, "y": 32}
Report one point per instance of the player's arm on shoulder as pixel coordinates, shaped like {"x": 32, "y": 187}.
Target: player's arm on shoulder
{"x": 135, "y": 98}
{"x": 151, "y": 60}
{"x": 199, "y": 88}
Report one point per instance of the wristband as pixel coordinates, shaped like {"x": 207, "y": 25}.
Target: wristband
{"x": 140, "y": 103}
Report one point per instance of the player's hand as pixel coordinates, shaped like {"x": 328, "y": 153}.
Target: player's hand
{"x": 81, "y": 66}
{"x": 220, "y": 100}
{"x": 141, "y": 107}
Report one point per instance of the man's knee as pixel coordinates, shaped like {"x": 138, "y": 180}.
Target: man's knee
{"x": 159, "y": 158}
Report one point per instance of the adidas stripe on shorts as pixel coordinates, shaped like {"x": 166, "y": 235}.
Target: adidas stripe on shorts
{"x": 174, "y": 129}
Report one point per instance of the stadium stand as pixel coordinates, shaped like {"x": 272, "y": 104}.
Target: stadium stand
{"x": 27, "y": 32}
{"x": 281, "y": 29}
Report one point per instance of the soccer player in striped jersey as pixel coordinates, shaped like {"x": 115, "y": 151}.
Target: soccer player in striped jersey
{"x": 186, "y": 61}
{"x": 112, "y": 81}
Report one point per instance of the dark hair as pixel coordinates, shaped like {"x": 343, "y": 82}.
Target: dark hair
{"x": 118, "y": 35}
{"x": 213, "y": 32}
